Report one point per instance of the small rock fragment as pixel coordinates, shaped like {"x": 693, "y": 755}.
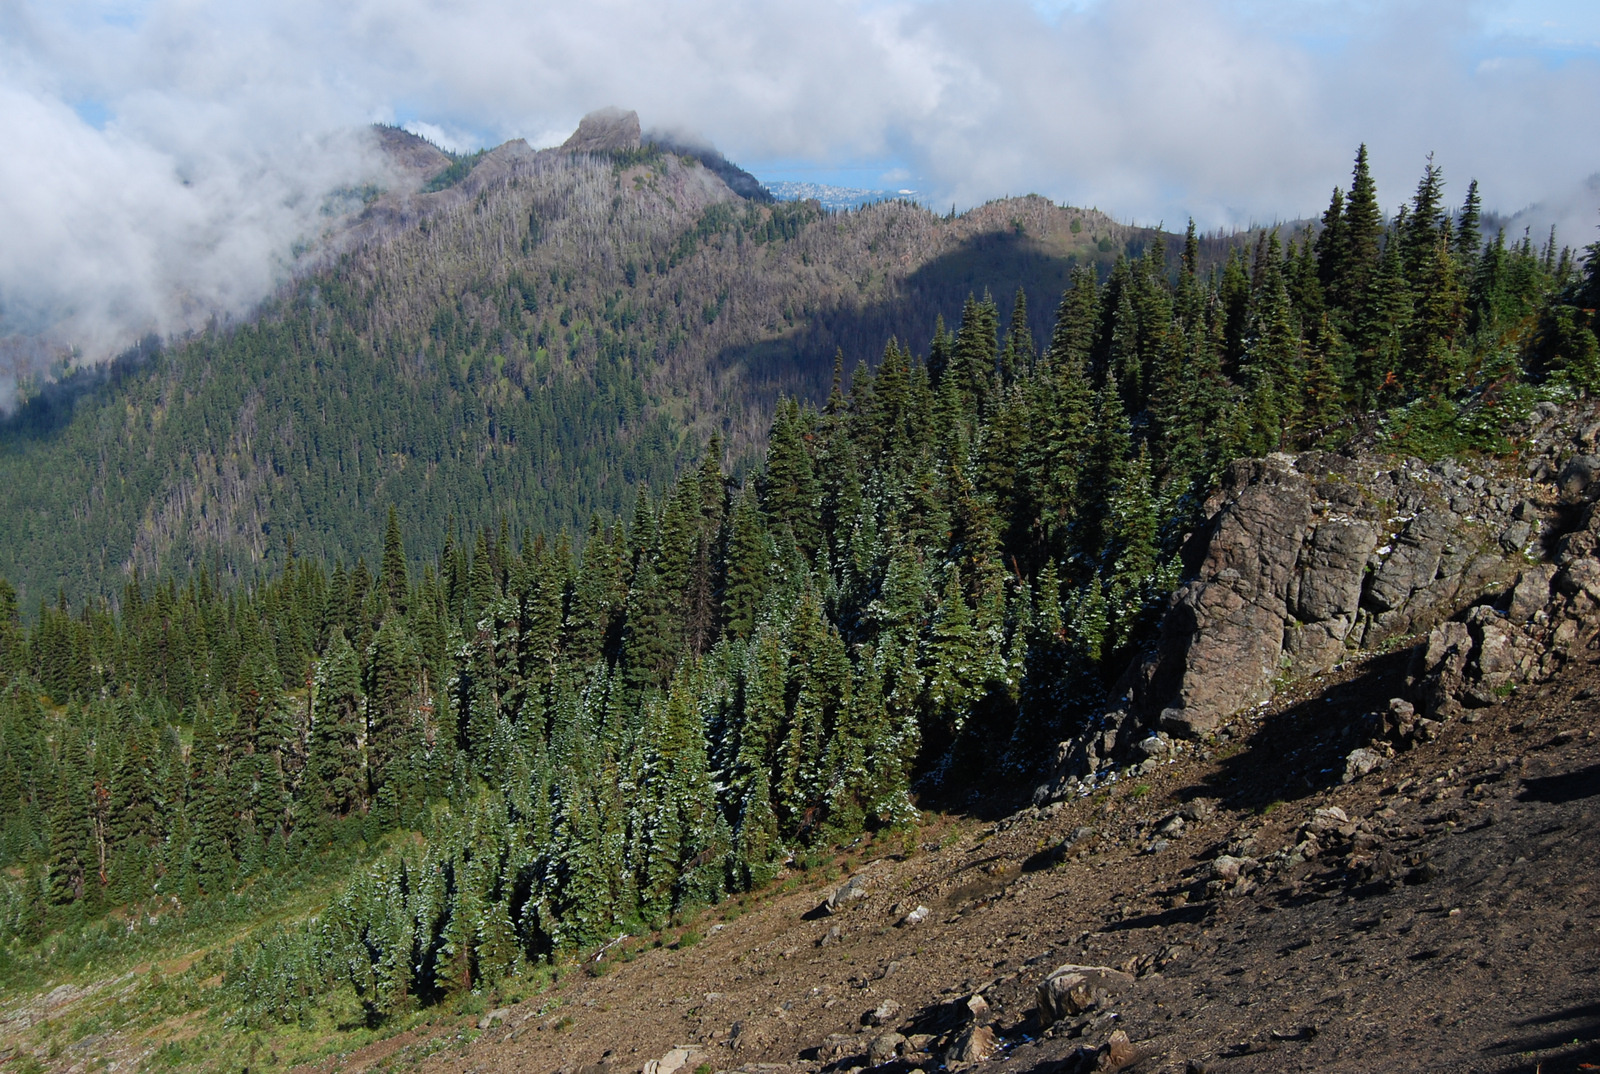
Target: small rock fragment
{"x": 882, "y": 1015}
{"x": 1119, "y": 1052}
{"x": 975, "y": 1045}
{"x": 1227, "y": 868}
{"x": 916, "y": 916}
{"x": 1152, "y": 746}
{"x": 1359, "y": 763}
{"x": 851, "y": 891}
{"x": 1326, "y": 819}
{"x": 884, "y": 1048}
{"x": 675, "y": 1060}
{"x": 1071, "y": 990}
{"x": 1198, "y": 809}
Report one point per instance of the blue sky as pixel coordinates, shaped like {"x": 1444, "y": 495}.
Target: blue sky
{"x": 1554, "y": 33}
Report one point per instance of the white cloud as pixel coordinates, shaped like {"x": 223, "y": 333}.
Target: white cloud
{"x": 223, "y": 121}
{"x": 451, "y": 141}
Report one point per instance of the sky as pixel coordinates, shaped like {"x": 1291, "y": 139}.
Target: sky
{"x": 162, "y": 158}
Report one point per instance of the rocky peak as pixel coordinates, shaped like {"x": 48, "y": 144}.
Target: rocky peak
{"x": 415, "y": 157}
{"x": 685, "y": 144}
{"x": 604, "y": 131}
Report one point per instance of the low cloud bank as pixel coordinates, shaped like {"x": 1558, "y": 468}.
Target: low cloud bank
{"x": 164, "y": 162}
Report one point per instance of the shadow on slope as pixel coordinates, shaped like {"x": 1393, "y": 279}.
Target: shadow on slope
{"x": 46, "y": 415}
{"x": 800, "y": 363}
{"x": 1301, "y": 750}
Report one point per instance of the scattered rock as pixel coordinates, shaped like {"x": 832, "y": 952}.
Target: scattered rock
{"x": 1531, "y": 593}
{"x": 850, "y": 892}
{"x": 978, "y": 1008}
{"x": 839, "y": 1046}
{"x": 499, "y": 1014}
{"x": 1227, "y": 868}
{"x": 1327, "y": 818}
{"x": 1072, "y": 989}
{"x": 974, "y": 1045}
{"x": 884, "y": 1014}
{"x": 1198, "y": 810}
{"x": 916, "y": 916}
{"x": 675, "y": 1060}
{"x": 1119, "y": 1052}
{"x": 1578, "y": 478}
{"x": 1360, "y": 762}
{"x": 884, "y": 1048}
{"x": 1152, "y": 747}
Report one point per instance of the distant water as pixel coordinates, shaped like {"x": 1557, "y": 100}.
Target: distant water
{"x": 834, "y": 197}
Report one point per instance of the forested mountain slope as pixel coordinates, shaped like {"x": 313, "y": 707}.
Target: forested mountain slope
{"x": 533, "y": 340}
{"x": 525, "y": 747}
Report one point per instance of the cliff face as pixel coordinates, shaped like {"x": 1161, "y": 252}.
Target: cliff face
{"x": 1305, "y": 560}
{"x": 603, "y": 131}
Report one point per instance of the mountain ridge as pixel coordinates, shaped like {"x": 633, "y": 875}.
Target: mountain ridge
{"x": 764, "y": 318}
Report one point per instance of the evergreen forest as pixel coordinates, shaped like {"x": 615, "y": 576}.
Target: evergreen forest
{"x": 535, "y": 740}
{"x": 533, "y": 342}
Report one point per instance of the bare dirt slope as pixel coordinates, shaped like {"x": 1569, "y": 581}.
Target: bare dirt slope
{"x": 1441, "y": 913}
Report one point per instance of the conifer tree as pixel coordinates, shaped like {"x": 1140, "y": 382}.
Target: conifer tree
{"x": 1469, "y": 235}
{"x": 337, "y": 764}
{"x": 590, "y": 605}
{"x": 71, "y": 841}
{"x": 392, "y": 690}
{"x": 1439, "y": 311}
{"x": 135, "y": 829}
{"x": 483, "y": 589}
{"x": 758, "y": 853}
{"x": 1018, "y": 355}
{"x": 975, "y": 355}
{"x": 1072, "y": 340}
{"x": 1332, "y": 245}
{"x": 952, "y": 666}
{"x": 212, "y": 829}
{"x": 1421, "y": 229}
{"x": 1104, "y": 470}
{"x": 1273, "y": 368}
{"x": 11, "y": 636}
{"x": 790, "y": 496}
{"x": 749, "y": 560}
{"x": 393, "y": 576}
{"x": 1349, "y": 289}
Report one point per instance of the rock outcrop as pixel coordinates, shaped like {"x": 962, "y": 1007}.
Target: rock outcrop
{"x": 1551, "y": 613}
{"x": 1304, "y": 560}
{"x": 607, "y": 130}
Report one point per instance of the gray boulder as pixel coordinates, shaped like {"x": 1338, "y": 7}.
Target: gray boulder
{"x": 1072, "y": 989}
